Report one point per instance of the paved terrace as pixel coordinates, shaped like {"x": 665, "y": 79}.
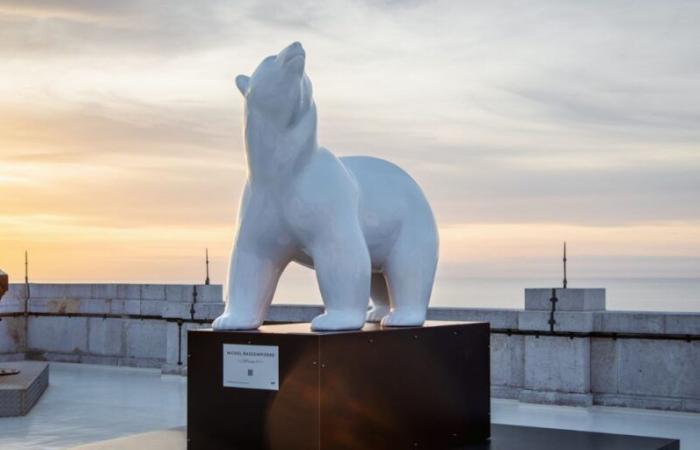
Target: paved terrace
{"x": 88, "y": 403}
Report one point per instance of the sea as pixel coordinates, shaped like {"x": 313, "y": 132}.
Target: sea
{"x": 625, "y": 294}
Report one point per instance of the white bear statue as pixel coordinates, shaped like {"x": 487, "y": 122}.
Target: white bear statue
{"x": 362, "y": 223}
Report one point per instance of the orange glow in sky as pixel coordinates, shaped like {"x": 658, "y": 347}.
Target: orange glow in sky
{"x": 120, "y": 130}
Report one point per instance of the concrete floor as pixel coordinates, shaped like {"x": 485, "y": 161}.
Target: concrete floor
{"x": 92, "y": 403}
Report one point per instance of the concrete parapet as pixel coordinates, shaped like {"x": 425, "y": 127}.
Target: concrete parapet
{"x": 586, "y": 356}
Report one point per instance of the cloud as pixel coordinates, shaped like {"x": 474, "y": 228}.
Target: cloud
{"x": 124, "y": 114}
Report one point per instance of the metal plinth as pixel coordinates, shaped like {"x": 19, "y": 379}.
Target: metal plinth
{"x": 395, "y": 388}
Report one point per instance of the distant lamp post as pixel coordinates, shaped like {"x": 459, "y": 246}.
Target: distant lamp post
{"x": 564, "y": 260}
{"x": 206, "y": 281}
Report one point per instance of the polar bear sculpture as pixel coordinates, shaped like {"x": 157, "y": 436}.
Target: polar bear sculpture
{"x": 362, "y": 223}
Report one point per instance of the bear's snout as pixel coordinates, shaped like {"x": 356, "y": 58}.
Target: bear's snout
{"x": 291, "y": 52}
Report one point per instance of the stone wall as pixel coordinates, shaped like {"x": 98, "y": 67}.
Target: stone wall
{"x": 580, "y": 355}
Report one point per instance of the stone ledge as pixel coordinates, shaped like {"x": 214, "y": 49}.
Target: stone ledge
{"x": 644, "y": 402}
{"x": 499, "y": 318}
{"x": 569, "y": 299}
{"x": 148, "y": 363}
{"x": 509, "y": 392}
{"x": 576, "y": 322}
{"x": 555, "y": 398}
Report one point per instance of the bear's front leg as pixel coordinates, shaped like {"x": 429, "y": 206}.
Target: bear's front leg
{"x": 257, "y": 261}
{"x": 343, "y": 270}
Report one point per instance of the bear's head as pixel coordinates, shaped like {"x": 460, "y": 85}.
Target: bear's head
{"x": 279, "y": 91}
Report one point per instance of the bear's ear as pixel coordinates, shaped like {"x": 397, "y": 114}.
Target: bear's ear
{"x": 242, "y": 83}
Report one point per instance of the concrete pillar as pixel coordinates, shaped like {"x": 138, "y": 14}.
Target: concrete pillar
{"x": 557, "y": 367}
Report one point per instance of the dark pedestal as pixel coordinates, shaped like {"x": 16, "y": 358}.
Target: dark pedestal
{"x": 397, "y": 388}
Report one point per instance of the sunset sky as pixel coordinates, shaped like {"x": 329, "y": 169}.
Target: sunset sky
{"x": 526, "y": 124}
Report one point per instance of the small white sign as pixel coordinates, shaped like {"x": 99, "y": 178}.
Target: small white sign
{"x": 251, "y": 366}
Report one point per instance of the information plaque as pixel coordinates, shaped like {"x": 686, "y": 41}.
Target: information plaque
{"x": 251, "y": 366}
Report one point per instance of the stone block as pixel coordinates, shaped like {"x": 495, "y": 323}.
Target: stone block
{"x": 152, "y": 307}
{"x": 632, "y": 401}
{"x": 95, "y": 306}
{"x": 58, "y": 334}
{"x": 16, "y": 292}
{"x": 498, "y": 318}
{"x": 38, "y": 304}
{"x": 507, "y": 360}
{"x": 129, "y": 291}
{"x": 178, "y": 310}
{"x": 556, "y": 398}
{"x": 604, "y": 365}
{"x": 570, "y": 299}
{"x": 78, "y": 291}
{"x": 145, "y": 363}
{"x": 6, "y": 357}
{"x": 47, "y": 290}
{"x": 117, "y": 307}
{"x": 12, "y": 337}
{"x": 61, "y": 357}
{"x": 106, "y": 336}
{"x": 104, "y": 291}
{"x": 63, "y": 305}
{"x": 11, "y": 305}
{"x": 101, "y": 360}
{"x": 208, "y": 311}
{"x": 565, "y": 321}
{"x": 132, "y": 307}
{"x": 152, "y": 292}
{"x": 145, "y": 338}
{"x": 659, "y": 367}
{"x": 212, "y": 293}
{"x": 178, "y": 293}
{"x": 557, "y": 364}
{"x": 691, "y": 405}
{"x": 682, "y": 323}
{"x": 508, "y": 392}
{"x": 631, "y": 322}
{"x": 171, "y": 343}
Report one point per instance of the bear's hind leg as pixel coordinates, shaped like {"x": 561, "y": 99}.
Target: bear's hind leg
{"x": 379, "y": 293}
{"x": 410, "y": 273}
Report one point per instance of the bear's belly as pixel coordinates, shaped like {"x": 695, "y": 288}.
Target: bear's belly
{"x": 390, "y": 202}
{"x": 378, "y": 256}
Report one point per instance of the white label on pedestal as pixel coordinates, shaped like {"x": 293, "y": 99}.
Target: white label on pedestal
{"x": 251, "y": 366}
